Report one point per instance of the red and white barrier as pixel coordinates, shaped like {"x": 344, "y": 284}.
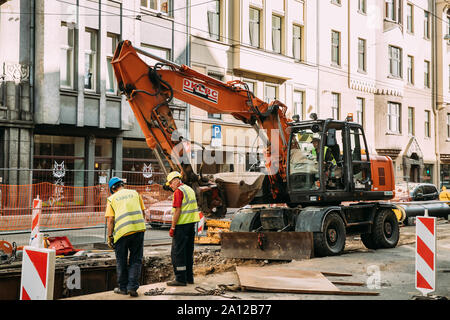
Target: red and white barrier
{"x": 201, "y": 225}
{"x": 425, "y": 254}
{"x": 38, "y": 274}
{"x": 35, "y": 238}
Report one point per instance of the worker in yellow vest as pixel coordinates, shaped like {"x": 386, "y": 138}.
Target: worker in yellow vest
{"x": 126, "y": 228}
{"x": 185, "y": 216}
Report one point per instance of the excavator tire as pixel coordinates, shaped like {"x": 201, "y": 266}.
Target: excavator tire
{"x": 368, "y": 241}
{"x": 386, "y": 232}
{"x": 331, "y": 241}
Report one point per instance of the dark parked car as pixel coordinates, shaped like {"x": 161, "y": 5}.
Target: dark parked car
{"x": 407, "y": 192}
{"x": 420, "y": 193}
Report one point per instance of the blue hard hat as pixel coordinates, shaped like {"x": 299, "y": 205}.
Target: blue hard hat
{"x": 113, "y": 181}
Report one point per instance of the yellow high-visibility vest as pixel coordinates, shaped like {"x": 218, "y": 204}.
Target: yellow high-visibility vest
{"x": 314, "y": 153}
{"x": 189, "y": 210}
{"x": 128, "y": 213}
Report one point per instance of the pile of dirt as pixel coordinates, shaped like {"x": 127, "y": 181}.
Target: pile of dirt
{"x": 206, "y": 261}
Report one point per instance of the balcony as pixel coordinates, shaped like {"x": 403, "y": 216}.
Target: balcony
{"x": 278, "y": 67}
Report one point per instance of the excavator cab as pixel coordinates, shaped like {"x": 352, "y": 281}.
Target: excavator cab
{"x": 328, "y": 163}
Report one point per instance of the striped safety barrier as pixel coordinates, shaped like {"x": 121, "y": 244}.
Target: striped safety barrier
{"x": 38, "y": 274}
{"x": 425, "y": 254}
{"x": 35, "y": 219}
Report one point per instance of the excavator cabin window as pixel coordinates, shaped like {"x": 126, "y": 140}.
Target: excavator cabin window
{"x": 306, "y": 171}
{"x": 360, "y": 159}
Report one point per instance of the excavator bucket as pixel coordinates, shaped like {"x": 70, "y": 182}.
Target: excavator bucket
{"x": 240, "y": 188}
{"x": 267, "y": 245}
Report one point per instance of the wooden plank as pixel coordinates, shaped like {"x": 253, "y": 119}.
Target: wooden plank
{"x": 283, "y": 280}
{"x": 347, "y": 283}
{"x": 334, "y": 274}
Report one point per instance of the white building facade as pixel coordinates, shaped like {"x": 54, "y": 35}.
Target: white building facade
{"x": 270, "y": 45}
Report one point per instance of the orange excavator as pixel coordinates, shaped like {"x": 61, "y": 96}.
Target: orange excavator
{"x": 319, "y": 183}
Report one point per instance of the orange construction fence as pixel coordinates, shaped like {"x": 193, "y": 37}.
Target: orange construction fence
{"x": 63, "y": 206}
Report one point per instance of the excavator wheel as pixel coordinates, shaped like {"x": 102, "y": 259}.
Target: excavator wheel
{"x": 368, "y": 241}
{"x": 386, "y": 232}
{"x": 331, "y": 241}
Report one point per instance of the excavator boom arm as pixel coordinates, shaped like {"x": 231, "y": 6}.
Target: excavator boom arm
{"x": 150, "y": 89}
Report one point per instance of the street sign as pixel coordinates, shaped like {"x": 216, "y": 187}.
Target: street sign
{"x": 425, "y": 254}
{"x": 216, "y": 139}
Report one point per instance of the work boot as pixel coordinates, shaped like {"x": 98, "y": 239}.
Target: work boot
{"x": 119, "y": 291}
{"x": 176, "y": 283}
{"x": 133, "y": 293}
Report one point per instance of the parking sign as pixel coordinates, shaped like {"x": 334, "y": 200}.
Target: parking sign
{"x": 216, "y": 139}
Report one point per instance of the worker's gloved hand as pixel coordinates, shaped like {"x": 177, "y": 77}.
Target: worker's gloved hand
{"x": 111, "y": 242}
{"x": 171, "y": 232}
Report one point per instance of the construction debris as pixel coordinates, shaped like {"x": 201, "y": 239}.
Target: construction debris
{"x": 214, "y": 230}
{"x": 219, "y": 291}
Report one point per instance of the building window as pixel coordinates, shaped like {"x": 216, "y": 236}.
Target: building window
{"x": 90, "y": 62}
{"x": 361, "y": 54}
{"x": 362, "y": 6}
{"x": 410, "y": 18}
{"x": 270, "y": 93}
{"x": 336, "y": 47}
{"x": 448, "y": 125}
{"x": 427, "y": 124}
{"x": 111, "y": 44}
{"x": 138, "y": 159}
{"x": 59, "y": 152}
{"x": 178, "y": 114}
{"x": 251, "y": 86}
{"x": 395, "y": 61}
{"x": 157, "y": 5}
{"x": 448, "y": 26}
{"x": 426, "y": 79}
{"x": 394, "y": 117}
{"x": 336, "y": 105}
{"x": 393, "y": 10}
{"x": 67, "y": 63}
{"x": 276, "y": 34}
{"x": 254, "y": 27}
{"x": 299, "y": 104}
{"x": 214, "y": 20}
{"x": 426, "y": 25}
{"x": 216, "y": 116}
{"x": 411, "y": 117}
{"x": 360, "y": 102}
{"x": 390, "y": 9}
{"x": 297, "y": 42}
{"x": 159, "y": 52}
{"x": 410, "y": 69}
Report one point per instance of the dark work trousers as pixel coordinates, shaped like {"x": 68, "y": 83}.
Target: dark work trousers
{"x": 129, "y": 268}
{"x": 182, "y": 252}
